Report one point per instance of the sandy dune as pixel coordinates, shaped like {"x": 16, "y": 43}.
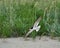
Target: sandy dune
{"x": 45, "y": 42}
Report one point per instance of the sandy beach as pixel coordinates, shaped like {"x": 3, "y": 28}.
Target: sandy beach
{"x": 20, "y": 42}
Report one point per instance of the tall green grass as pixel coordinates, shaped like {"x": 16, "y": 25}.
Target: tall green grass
{"x": 18, "y": 16}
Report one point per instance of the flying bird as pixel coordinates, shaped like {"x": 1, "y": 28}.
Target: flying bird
{"x": 36, "y": 27}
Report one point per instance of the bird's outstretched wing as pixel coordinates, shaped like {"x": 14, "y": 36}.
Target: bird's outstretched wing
{"x": 29, "y": 32}
{"x": 34, "y": 26}
{"x": 37, "y": 22}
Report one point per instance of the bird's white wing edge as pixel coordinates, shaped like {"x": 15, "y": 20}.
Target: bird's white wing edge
{"x": 37, "y": 22}
{"x": 29, "y": 32}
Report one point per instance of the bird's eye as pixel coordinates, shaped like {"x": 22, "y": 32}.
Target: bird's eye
{"x": 31, "y": 27}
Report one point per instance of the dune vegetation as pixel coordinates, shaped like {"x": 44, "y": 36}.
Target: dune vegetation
{"x": 18, "y": 16}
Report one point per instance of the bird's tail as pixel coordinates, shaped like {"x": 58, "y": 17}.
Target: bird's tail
{"x": 38, "y": 28}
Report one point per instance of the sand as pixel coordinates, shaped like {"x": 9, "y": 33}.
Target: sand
{"x": 20, "y": 42}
